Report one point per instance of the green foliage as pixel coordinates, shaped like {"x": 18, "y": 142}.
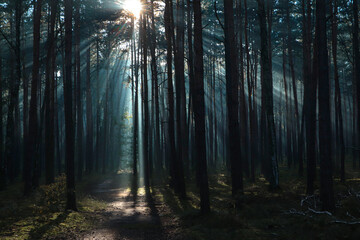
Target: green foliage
{"x": 43, "y": 215}
{"x": 265, "y": 214}
{"x": 52, "y": 197}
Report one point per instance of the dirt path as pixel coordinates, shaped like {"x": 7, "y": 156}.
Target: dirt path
{"x": 131, "y": 214}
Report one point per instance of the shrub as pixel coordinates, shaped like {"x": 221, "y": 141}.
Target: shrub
{"x": 52, "y": 196}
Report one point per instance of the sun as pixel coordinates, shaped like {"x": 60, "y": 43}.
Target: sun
{"x": 133, "y": 6}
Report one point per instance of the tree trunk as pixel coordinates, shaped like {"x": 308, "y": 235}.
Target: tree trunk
{"x": 89, "y": 112}
{"x": 357, "y": 65}
{"x": 326, "y": 181}
{"x": 199, "y": 111}
{"x": 33, "y": 114}
{"x": 232, "y": 100}
{"x": 49, "y": 100}
{"x": 172, "y": 149}
{"x": 154, "y": 77}
{"x": 146, "y": 144}
{"x": 338, "y": 101}
{"x": 79, "y": 108}
{"x": 2, "y": 166}
{"x": 69, "y": 124}
{"x": 271, "y": 164}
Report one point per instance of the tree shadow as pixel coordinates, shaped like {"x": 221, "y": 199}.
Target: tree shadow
{"x": 176, "y": 203}
{"x": 134, "y": 189}
{"x": 37, "y": 233}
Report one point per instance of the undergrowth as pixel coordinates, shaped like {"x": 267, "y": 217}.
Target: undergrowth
{"x": 265, "y": 214}
{"x": 43, "y": 215}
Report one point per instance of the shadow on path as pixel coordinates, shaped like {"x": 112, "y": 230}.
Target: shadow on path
{"x": 131, "y": 213}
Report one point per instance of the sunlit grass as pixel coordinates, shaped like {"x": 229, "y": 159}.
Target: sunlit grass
{"x": 34, "y": 218}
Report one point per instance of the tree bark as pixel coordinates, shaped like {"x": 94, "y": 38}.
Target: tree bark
{"x": 69, "y": 124}
{"x": 357, "y": 65}
{"x": 33, "y": 114}
{"x": 199, "y": 111}
{"x": 89, "y": 112}
{"x": 271, "y": 164}
{"x": 232, "y": 100}
{"x": 49, "y": 100}
{"x": 326, "y": 181}
{"x": 79, "y": 98}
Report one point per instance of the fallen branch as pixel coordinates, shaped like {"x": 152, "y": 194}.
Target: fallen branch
{"x": 307, "y": 199}
{"x": 345, "y": 222}
{"x": 320, "y": 212}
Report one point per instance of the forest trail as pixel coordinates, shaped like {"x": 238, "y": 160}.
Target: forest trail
{"x": 131, "y": 214}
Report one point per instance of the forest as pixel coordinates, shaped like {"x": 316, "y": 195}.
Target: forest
{"x": 179, "y": 119}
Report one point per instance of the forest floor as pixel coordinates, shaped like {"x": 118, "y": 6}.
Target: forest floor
{"x": 110, "y": 207}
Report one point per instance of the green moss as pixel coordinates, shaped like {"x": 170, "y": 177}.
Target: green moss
{"x": 262, "y": 213}
{"x": 43, "y": 215}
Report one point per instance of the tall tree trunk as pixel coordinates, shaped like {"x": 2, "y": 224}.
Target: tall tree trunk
{"x": 154, "y": 71}
{"x": 49, "y": 100}
{"x": 180, "y": 96}
{"x": 169, "y": 58}
{"x": 199, "y": 111}
{"x": 252, "y": 153}
{"x": 338, "y": 101}
{"x": 146, "y": 145}
{"x": 298, "y": 158}
{"x": 69, "y": 124}
{"x": 89, "y": 111}
{"x": 2, "y": 166}
{"x": 136, "y": 105}
{"x": 326, "y": 181}
{"x": 191, "y": 74}
{"x": 98, "y": 109}
{"x": 288, "y": 133}
{"x": 357, "y": 65}
{"x": 271, "y": 164}
{"x": 232, "y": 99}
{"x": 33, "y": 114}
{"x": 310, "y": 88}
{"x": 79, "y": 108}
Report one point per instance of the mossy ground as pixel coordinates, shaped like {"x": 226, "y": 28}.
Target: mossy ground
{"x": 265, "y": 214}
{"x": 261, "y": 214}
{"x": 43, "y": 215}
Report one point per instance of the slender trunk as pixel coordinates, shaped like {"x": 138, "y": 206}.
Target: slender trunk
{"x": 49, "y": 101}
{"x": 199, "y": 111}
{"x": 338, "y": 101}
{"x": 326, "y": 180}
{"x": 89, "y": 112}
{"x": 33, "y": 114}
{"x": 357, "y": 66}
{"x": 146, "y": 144}
{"x": 298, "y": 158}
{"x": 287, "y": 114}
{"x": 310, "y": 89}
{"x": 2, "y": 166}
{"x": 232, "y": 100}
{"x": 191, "y": 74}
{"x": 69, "y": 124}
{"x": 135, "y": 67}
{"x": 154, "y": 71}
{"x": 172, "y": 149}
{"x": 79, "y": 107}
{"x": 271, "y": 164}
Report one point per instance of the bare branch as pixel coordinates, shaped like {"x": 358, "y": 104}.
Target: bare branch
{"x": 217, "y": 16}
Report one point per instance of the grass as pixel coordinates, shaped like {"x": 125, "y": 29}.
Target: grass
{"x": 262, "y": 214}
{"x": 43, "y": 215}
{"x": 265, "y": 214}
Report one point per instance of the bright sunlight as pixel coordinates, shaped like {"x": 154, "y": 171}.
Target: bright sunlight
{"x": 133, "y": 6}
